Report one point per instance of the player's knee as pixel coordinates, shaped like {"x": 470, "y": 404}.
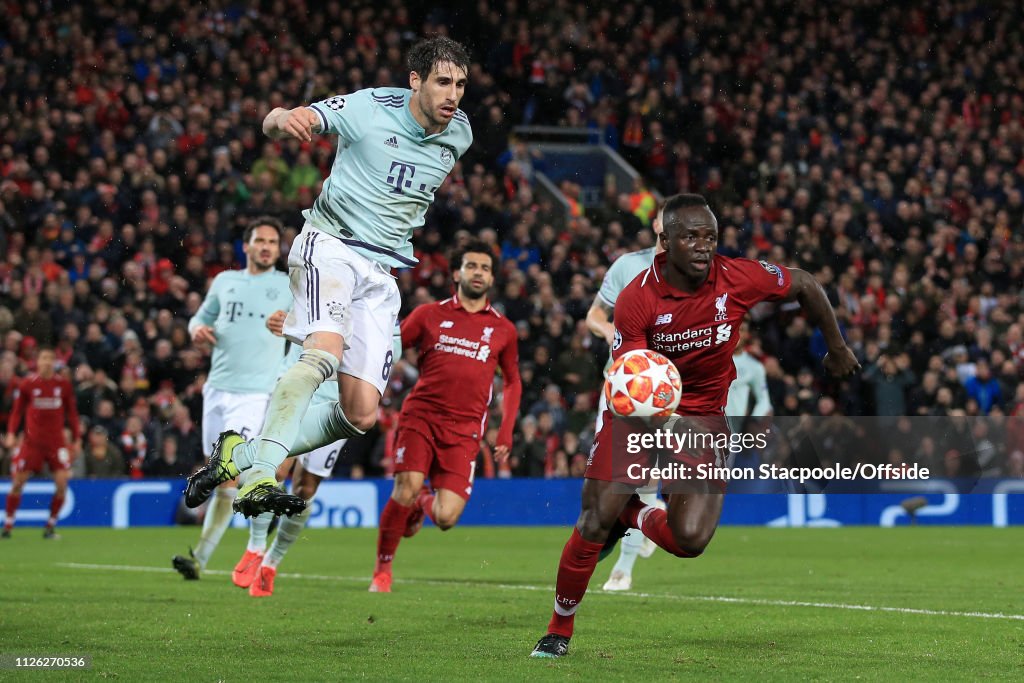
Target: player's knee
{"x": 445, "y": 520}
{"x": 691, "y": 540}
{"x": 363, "y": 420}
{"x": 405, "y": 491}
{"x": 590, "y": 527}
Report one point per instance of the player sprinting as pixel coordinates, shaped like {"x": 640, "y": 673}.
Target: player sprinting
{"x": 685, "y": 306}
{"x": 599, "y": 322}
{"x": 461, "y": 342}
{"x": 396, "y": 146}
{"x": 246, "y": 359}
{"x": 46, "y": 402}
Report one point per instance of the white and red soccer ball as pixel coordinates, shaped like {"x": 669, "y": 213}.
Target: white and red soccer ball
{"x": 643, "y": 383}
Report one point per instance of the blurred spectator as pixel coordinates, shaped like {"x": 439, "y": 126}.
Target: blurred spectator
{"x": 847, "y": 141}
{"x": 168, "y": 464}
{"x": 102, "y": 459}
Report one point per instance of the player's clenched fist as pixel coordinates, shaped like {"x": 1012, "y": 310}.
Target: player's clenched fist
{"x": 295, "y": 123}
{"x": 275, "y": 322}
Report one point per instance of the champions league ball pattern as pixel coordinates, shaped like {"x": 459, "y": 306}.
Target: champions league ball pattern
{"x": 643, "y": 383}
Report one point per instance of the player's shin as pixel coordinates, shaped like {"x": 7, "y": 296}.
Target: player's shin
{"x": 288, "y": 405}
{"x": 56, "y": 503}
{"x": 288, "y": 531}
{"x": 392, "y": 527}
{"x": 579, "y": 558}
{"x": 258, "y": 529}
{"x": 218, "y": 517}
{"x": 12, "y": 504}
{"x": 322, "y": 425}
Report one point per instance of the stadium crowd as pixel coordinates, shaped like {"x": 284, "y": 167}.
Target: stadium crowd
{"x": 877, "y": 145}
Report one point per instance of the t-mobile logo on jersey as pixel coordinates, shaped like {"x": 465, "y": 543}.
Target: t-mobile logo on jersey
{"x": 397, "y": 176}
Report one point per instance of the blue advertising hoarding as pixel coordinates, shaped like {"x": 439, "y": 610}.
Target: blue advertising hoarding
{"x": 527, "y": 502}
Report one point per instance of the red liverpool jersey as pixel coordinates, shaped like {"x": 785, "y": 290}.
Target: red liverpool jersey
{"x": 44, "y": 403}
{"x": 459, "y": 352}
{"x": 699, "y": 331}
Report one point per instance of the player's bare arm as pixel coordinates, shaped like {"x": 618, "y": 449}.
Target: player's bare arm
{"x": 599, "y": 320}
{"x": 840, "y": 360}
{"x": 299, "y": 123}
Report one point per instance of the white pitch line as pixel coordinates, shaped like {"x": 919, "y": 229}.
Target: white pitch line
{"x": 526, "y": 587}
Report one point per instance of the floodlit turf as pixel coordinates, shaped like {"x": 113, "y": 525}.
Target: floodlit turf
{"x": 469, "y": 605}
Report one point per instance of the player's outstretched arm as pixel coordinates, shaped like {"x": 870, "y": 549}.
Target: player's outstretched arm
{"x": 299, "y": 123}
{"x": 840, "y": 360}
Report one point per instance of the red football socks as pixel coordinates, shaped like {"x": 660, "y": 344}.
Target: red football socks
{"x": 425, "y": 501}
{"x": 631, "y": 513}
{"x": 655, "y": 527}
{"x": 579, "y": 559}
{"x": 392, "y": 526}
{"x": 13, "y": 501}
{"x": 55, "y": 505}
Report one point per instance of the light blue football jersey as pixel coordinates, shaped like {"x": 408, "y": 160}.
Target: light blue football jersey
{"x": 247, "y": 355}
{"x": 385, "y": 172}
{"x": 622, "y": 272}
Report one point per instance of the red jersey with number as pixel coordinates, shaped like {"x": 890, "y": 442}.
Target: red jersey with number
{"x": 459, "y": 353}
{"x": 46, "y": 405}
{"x": 697, "y": 331}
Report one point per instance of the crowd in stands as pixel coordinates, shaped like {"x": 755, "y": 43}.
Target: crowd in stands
{"x": 877, "y": 145}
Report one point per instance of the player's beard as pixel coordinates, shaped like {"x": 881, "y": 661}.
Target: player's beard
{"x": 262, "y": 268}
{"x": 466, "y": 293}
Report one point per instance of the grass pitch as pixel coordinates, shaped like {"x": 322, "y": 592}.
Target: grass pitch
{"x": 825, "y": 604}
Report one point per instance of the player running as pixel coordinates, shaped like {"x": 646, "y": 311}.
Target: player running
{"x": 396, "y": 146}
{"x": 461, "y": 342}
{"x": 46, "y": 402}
{"x": 685, "y": 306}
{"x": 599, "y": 318}
{"x": 246, "y": 358}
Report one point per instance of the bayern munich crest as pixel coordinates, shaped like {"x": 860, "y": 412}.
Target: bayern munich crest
{"x": 446, "y": 156}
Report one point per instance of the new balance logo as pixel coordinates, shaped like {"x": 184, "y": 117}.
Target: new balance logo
{"x": 391, "y": 142}
{"x": 663, "y": 319}
{"x": 447, "y": 324}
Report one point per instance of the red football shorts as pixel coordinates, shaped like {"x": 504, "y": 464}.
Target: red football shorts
{"x": 446, "y": 458}
{"x": 30, "y": 457}
{"x": 632, "y": 453}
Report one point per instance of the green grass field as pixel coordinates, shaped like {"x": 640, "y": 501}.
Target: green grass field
{"x": 469, "y": 604}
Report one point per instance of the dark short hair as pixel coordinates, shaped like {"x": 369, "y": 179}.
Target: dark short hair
{"x": 475, "y": 246}
{"x": 428, "y": 53}
{"x": 259, "y": 222}
{"x": 678, "y": 202}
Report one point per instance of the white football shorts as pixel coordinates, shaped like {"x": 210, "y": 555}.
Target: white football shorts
{"x": 224, "y": 410}
{"x": 336, "y": 289}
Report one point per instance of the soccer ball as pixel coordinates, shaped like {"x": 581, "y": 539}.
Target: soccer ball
{"x": 643, "y": 383}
